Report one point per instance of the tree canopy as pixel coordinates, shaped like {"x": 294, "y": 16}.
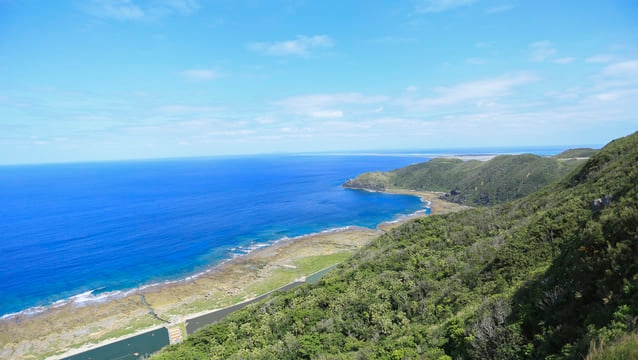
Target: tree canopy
{"x": 550, "y": 275}
{"x": 477, "y": 183}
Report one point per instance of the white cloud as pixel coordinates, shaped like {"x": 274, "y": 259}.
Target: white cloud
{"x": 614, "y": 83}
{"x": 301, "y": 46}
{"x": 411, "y": 88}
{"x": 433, "y": 6}
{"x": 565, "y": 94}
{"x": 499, "y": 9}
{"x": 326, "y": 114}
{"x": 616, "y": 95}
{"x": 622, "y": 69}
{"x": 564, "y": 60}
{"x": 194, "y": 124}
{"x": 140, "y": 10}
{"x": 264, "y": 120}
{"x": 541, "y": 50}
{"x": 185, "y": 7}
{"x": 474, "y": 91}
{"x": 200, "y": 74}
{"x": 600, "y": 58}
{"x": 326, "y": 103}
{"x": 242, "y": 132}
{"x": 185, "y": 109}
{"x": 606, "y": 96}
{"x": 117, "y": 9}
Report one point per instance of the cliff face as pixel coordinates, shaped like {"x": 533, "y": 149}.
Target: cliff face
{"x": 363, "y": 185}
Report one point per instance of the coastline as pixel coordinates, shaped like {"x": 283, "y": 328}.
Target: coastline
{"x": 436, "y": 205}
{"x": 72, "y": 327}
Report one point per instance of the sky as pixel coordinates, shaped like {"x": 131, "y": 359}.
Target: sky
{"x": 84, "y": 80}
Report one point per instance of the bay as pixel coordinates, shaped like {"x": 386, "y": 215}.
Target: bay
{"x": 102, "y": 228}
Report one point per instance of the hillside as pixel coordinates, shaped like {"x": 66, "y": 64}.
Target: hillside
{"x": 501, "y": 179}
{"x": 554, "y": 274}
{"x": 576, "y": 153}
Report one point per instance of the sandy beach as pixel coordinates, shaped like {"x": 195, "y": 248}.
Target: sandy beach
{"x": 74, "y": 327}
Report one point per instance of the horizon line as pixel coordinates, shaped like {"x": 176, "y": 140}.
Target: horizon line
{"x": 431, "y": 152}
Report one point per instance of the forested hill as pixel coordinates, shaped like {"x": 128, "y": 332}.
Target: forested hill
{"x": 552, "y": 275}
{"x": 576, "y": 153}
{"x": 498, "y": 180}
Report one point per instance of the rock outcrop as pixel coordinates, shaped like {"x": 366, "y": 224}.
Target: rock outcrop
{"x": 358, "y": 184}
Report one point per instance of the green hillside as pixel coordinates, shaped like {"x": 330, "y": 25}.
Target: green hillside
{"x": 552, "y": 275}
{"x": 501, "y": 179}
{"x": 576, "y": 153}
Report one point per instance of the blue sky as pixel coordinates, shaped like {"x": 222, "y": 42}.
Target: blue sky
{"x": 119, "y": 79}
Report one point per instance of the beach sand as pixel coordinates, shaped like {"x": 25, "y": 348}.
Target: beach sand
{"x": 72, "y": 327}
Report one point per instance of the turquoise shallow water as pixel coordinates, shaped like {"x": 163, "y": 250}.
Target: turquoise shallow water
{"x": 90, "y": 231}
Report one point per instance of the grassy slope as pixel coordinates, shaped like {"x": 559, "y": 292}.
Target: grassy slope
{"x": 544, "y": 276}
{"x": 501, "y": 179}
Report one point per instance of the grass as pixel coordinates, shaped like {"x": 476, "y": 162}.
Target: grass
{"x": 305, "y": 266}
{"x": 198, "y": 305}
{"x": 625, "y": 348}
{"x": 278, "y": 278}
{"x": 312, "y": 264}
{"x": 216, "y": 300}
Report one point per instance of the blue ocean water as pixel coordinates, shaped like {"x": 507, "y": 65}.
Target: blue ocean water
{"x": 69, "y": 229}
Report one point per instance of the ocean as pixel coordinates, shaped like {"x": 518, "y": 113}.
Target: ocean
{"x": 92, "y": 231}
{"x": 89, "y": 231}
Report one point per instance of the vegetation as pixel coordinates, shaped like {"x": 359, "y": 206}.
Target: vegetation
{"x": 552, "y": 275}
{"x": 576, "y": 153}
{"x": 501, "y": 179}
{"x": 625, "y": 348}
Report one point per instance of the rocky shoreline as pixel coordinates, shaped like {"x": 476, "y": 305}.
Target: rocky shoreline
{"x": 60, "y": 331}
